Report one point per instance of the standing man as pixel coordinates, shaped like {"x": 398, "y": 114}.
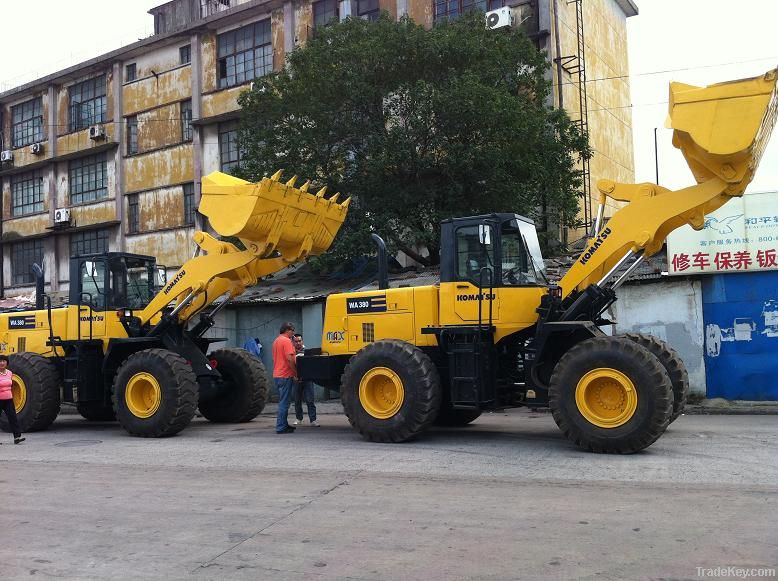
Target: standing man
{"x": 284, "y": 375}
{"x": 303, "y": 391}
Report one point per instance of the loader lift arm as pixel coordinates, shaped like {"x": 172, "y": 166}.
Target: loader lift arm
{"x": 722, "y": 131}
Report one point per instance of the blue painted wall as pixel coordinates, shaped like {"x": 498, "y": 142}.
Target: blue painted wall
{"x": 740, "y": 314}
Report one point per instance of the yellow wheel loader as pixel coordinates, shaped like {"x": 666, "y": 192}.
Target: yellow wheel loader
{"x": 494, "y": 334}
{"x": 126, "y": 347}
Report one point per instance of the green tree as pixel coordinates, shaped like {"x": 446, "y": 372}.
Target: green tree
{"x": 418, "y": 126}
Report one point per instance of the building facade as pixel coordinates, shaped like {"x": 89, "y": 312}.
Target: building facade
{"x": 108, "y": 154}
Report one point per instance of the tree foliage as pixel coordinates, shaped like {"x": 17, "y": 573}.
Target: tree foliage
{"x": 418, "y": 126}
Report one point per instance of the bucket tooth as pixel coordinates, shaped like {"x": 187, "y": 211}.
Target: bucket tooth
{"x": 334, "y": 199}
{"x": 305, "y": 186}
{"x": 321, "y": 192}
{"x": 277, "y": 176}
{"x": 346, "y": 203}
{"x": 292, "y": 182}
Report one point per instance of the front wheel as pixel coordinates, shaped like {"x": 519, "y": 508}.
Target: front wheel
{"x": 155, "y": 393}
{"x": 390, "y": 391}
{"x": 35, "y": 389}
{"x": 244, "y": 387}
{"x": 610, "y": 395}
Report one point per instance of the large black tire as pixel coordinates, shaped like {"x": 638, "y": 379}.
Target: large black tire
{"x": 400, "y": 395}
{"x": 456, "y": 418}
{"x": 171, "y": 388}
{"x": 40, "y": 382}
{"x": 612, "y": 417}
{"x": 245, "y": 386}
{"x": 95, "y": 411}
{"x": 674, "y": 366}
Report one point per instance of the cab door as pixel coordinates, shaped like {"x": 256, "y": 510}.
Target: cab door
{"x": 91, "y": 308}
{"x": 475, "y": 290}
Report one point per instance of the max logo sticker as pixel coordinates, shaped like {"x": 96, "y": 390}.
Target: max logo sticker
{"x": 173, "y": 282}
{"x": 336, "y": 336}
{"x": 593, "y": 248}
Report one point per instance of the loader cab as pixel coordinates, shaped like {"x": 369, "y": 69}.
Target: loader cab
{"x": 501, "y": 249}
{"x": 113, "y": 280}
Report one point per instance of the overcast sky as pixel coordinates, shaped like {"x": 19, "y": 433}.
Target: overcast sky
{"x": 697, "y": 41}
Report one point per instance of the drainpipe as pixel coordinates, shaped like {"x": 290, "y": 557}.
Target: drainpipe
{"x": 558, "y": 55}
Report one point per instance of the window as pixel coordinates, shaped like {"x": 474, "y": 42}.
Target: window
{"x": 229, "y": 152}
{"x": 26, "y": 123}
{"x": 185, "y": 55}
{"x": 130, "y": 72}
{"x": 132, "y": 135}
{"x": 90, "y": 242}
{"x": 87, "y": 103}
{"x": 368, "y": 9}
{"x": 92, "y": 275}
{"x": 23, "y": 256}
{"x": 452, "y": 9}
{"x": 186, "y": 120}
{"x": 189, "y": 205}
{"x": 473, "y": 256}
{"x": 133, "y": 214}
{"x": 324, "y": 12}
{"x": 88, "y": 179}
{"x": 245, "y": 54}
{"x": 26, "y": 193}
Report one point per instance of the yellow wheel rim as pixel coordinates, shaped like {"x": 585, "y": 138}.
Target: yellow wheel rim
{"x": 381, "y": 393}
{"x": 143, "y": 395}
{"x": 606, "y": 397}
{"x": 19, "y": 392}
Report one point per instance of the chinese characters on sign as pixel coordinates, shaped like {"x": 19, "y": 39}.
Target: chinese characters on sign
{"x": 740, "y": 236}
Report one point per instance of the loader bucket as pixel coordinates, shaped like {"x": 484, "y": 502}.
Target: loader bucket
{"x": 271, "y": 216}
{"x": 723, "y": 129}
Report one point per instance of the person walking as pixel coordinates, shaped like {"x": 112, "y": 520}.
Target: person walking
{"x": 7, "y": 399}
{"x": 303, "y": 391}
{"x": 284, "y": 375}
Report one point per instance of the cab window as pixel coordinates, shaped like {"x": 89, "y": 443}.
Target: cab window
{"x": 516, "y": 267}
{"x": 475, "y": 251}
{"x": 92, "y": 275}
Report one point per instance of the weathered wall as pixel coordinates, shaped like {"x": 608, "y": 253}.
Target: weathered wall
{"x": 669, "y": 310}
{"x": 151, "y": 92}
{"x": 170, "y": 247}
{"x": 172, "y": 165}
{"x": 156, "y": 61}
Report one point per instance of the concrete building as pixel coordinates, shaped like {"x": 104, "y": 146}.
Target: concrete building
{"x": 108, "y": 154}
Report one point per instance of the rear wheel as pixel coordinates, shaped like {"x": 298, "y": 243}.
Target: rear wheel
{"x": 95, "y": 411}
{"x": 155, "y": 393}
{"x": 35, "y": 391}
{"x": 610, "y": 395}
{"x": 390, "y": 391}
{"x": 674, "y": 366}
{"x": 453, "y": 418}
{"x": 244, "y": 390}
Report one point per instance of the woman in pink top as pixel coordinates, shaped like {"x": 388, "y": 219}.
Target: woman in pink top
{"x": 7, "y": 398}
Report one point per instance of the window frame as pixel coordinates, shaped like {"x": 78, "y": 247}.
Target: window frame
{"x": 462, "y": 7}
{"x": 27, "y": 193}
{"x": 236, "y": 48}
{"x": 100, "y": 179}
{"x": 90, "y": 242}
{"x": 325, "y": 7}
{"x": 187, "y": 130}
{"x": 29, "y": 250}
{"x": 133, "y": 213}
{"x": 130, "y": 72}
{"x": 28, "y": 128}
{"x": 190, "y": 211}
{"x": 185, "y": 54}
{"x": 131, "y": 140}
{"x": 95, "y": 90}
{"x": 367, "y": 11}
{"x": 228, "y": 141}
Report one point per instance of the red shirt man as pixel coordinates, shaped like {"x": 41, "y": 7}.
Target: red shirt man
{"x": 284, "y": 374}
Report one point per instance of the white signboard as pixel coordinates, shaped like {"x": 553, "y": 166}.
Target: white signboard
{"x": 742, "y": 235}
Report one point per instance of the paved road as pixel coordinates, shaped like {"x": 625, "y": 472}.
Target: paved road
{"x": 506, "y": 498}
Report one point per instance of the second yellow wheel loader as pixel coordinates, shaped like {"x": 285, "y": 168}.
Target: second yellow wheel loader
{"x": 494, "y": 334}
{"x": 128, "y": 348}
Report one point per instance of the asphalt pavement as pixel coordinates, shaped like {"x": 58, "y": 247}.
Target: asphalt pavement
{"x": 505, "y": 498}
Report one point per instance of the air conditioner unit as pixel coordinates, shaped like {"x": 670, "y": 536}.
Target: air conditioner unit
{"x": 499, "y": 18}
{"x": 36, "y": 148}
{"x": 6, "y": 155}
{"x": 96, "y": 132}
{"x": 62, "y": 216}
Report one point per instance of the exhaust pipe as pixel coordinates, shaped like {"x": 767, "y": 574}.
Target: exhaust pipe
{"x": 383, "y": 269}
{"x": 37, "y": 271}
